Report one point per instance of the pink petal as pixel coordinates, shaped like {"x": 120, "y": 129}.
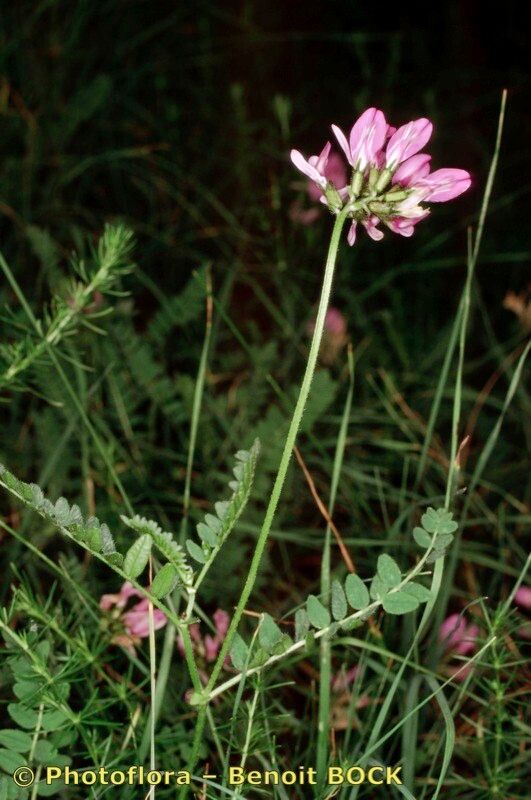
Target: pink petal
{"x": 322, "y": 159}
{"x": 306, "y": 168}
{"x": 452, "y": 630}
{"x": 351, "y": 238}
{"x": 195, "y": 633}
{"x": 402, "y": 226}
{"x": 408, "y": 140}
{"x": 523, "y": 597}
{"x": 458, "y": 637}
{"x": 445, "y": 184}
{"x": 468, "y": 640}
{"x": 336, "y": 171}
{"x": 412, "y": 169}
{"x": 367, "y": 137}
{"x": 370, "y": 226}
{"x": 342, "y": 141}
{"x": 107, "y": 601}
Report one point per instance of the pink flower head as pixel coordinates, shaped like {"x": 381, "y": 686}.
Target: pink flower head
{"x": 445, "y": 184}
{"x": 391, "y": 181}
{"x": 523, "y": 597}
{"x": 367, "y": 137}
{"x": 335, "y": 322}
{"x": 407, "y": 141}
{"x": 313, "y": 167}
{"x": 458, "y": 637}
{"x": 135, "y": 621}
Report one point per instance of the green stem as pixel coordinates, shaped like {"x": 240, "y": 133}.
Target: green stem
{"x": 288, "y": 445}
{"x": 280, "y": 478}
{"x": 323, "y": 724}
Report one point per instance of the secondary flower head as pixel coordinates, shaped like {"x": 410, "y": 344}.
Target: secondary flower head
{"x": 523, "y": 597}
{"x": 335, "y": 335}
{"x": 135, "y": 621}
{"x": 391, "y": 182}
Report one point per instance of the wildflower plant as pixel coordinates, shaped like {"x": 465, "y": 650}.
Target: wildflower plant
{"x": 160, "y": 575}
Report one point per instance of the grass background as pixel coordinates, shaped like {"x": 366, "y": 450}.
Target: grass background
{"x": 178, "y": 119}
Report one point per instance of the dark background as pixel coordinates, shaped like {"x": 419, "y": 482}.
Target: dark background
{"x": 140, "y": 108}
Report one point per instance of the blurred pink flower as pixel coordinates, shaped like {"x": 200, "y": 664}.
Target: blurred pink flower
{"x": 457, "y": 636}
{"x": 391, "y": 179}
{"x": 303, "y": 216}
{"x": 136, "y": 620}
{"x": 342, "y": 680}
{"x": 523, "y": 597}
{"x": 335, "y": 334}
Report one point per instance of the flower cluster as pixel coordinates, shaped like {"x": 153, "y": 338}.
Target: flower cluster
{"x": 391, "y": 179}
{"x": 134, "y": 621}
